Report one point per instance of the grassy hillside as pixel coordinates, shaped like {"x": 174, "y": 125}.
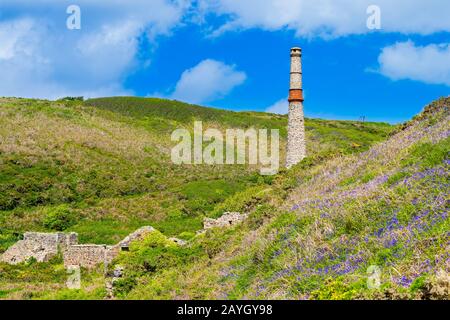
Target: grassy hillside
{"x": 315, "y": 231}
{"x": 321, "y": 228}
{"x": 101, "y": 168}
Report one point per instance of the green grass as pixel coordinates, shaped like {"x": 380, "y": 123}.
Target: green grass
{"x": 202, "y": 196}
{"x": 161, "y": 114}
{"x": 428, "y": 154}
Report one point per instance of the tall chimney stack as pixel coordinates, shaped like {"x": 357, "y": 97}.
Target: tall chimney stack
{"x": 296, "y": 149}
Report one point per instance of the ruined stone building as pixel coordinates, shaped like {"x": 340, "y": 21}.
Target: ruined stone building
{"x": 44, "y": 246}
{"x": 296, "y": 146}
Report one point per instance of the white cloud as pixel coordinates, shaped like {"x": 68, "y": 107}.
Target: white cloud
{"x": 40, "y": 58}
{"x": 209, "y": 80}
{"x": 405, "y": 60}
{"x": 11, "y": 35}
{"x": 279, "y": 107}
{"x": 330, "y": 18}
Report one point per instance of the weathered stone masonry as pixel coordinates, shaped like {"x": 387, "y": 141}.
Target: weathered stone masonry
{"x": 44, "y": 246}
{"x": 228, "y": 219}
{"x": 91, "y": 255}
{"x": 41, "y": 246}
{"x": 87, "y": 255}
{"x": 296, "y": 148}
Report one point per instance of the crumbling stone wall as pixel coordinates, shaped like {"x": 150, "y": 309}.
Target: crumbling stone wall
{"x": 226, "y": 220}
{"x": 44, "y": 246}
{"x": 89, "y": 255}
{"x": 86, "y": 255}
{"x": 59, "y": 239}
{"x": 40, "y": 246}
{"x": 138, "y": 234}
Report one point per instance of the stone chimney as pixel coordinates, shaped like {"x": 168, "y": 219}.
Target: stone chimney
{"x": 296, "y": 149}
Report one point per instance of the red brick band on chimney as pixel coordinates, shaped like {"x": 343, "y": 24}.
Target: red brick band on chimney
{"x": 296, "y": 95}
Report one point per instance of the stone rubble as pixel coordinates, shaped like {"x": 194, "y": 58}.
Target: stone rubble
{"x": 178, "y": 241}
{"x": 109, "y": 283}
{"x": 228, "y": 219}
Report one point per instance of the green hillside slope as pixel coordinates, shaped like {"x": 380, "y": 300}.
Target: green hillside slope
{"x": 366, "y": 196}
{"x": 102, "y": 168}
{"x": 322, "y": 231}
{"x": 318, "y": 231}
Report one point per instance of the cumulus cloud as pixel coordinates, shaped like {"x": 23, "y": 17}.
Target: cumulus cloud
{"x": 279, "y": 107}
{"x": 329, "y": 18}
{"x": 209, "y": 80}
{"x": 405, "y": 60}
{"x": 40, "y": 57}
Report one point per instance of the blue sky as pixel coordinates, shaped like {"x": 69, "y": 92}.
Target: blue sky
{"x": 232, "y": 54}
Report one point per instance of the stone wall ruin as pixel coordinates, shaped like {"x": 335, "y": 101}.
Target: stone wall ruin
{"x": 44, "y": 246}
{"x": 228, "y": 219}
{"x": 40, "y": 246}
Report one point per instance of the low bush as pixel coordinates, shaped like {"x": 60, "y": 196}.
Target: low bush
{"x": 60, "y": 218}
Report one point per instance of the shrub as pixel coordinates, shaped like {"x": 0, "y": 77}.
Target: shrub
{"x": 124, "y": 286}
{"x": 243, "y": 201}
{"x": 213, "y": 241}
{"x": 186, "y": 235}
{"x": 59, "y": 218}
{"x": 7, "y": 238}
{"x": 418, "y": 284}
{"x": 204, "y": 195}
{"x": 154, "y": 253}
{"x": 71, "y": 99}
{"x": 334, "y": 289}
{"x": 261, "y": 214}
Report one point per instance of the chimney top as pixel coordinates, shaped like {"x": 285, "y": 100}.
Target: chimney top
{"x": 296, "y": 51}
